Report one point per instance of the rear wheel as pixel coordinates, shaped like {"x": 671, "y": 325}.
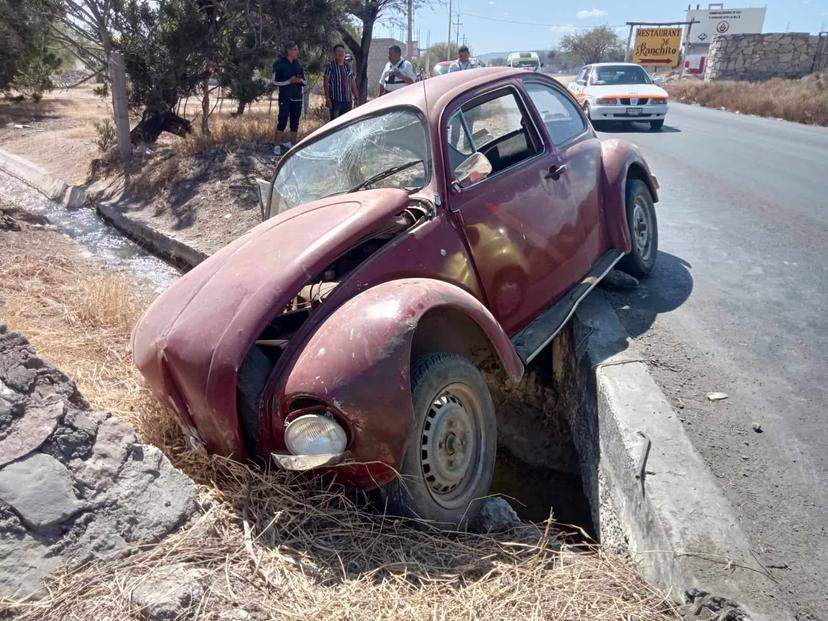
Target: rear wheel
{"x": 451, "y": 453}
{"x": 656, "y": 125}
{"x": 641, "y": 220}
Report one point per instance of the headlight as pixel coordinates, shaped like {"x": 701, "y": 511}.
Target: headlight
{"x": 314, "y": 434}
{"x": 658, "y": 100}
{"x": 607, "y": 101}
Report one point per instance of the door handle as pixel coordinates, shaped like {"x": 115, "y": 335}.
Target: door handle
{"x": 555, "y": 172}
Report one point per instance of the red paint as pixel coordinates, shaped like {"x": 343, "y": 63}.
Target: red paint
{"x": 498, "y": 252}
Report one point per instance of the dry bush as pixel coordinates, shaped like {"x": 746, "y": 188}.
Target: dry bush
{"x": 804, "y": 100}
{"x": 277, "y": 546}
{"x": 256, "y": 127}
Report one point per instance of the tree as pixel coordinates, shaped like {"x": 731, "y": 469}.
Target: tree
{"x": 500, "y": 61}
{"x": 25, "y": 59}
{"x": 358, "y": 37}
{"x": 601, "y": 44}
{"x": 439, "y": 52}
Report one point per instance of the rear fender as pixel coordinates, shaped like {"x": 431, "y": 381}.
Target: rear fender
{"x": 622, "y": 161}
{"x": 358, "y": 363}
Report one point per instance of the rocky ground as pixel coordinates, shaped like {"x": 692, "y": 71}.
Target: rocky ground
{"x": 75, "y": 483}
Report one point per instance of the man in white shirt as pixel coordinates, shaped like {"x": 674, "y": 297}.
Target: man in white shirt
{"x": 398, "y": 72}
{"x": 464, "y": 61}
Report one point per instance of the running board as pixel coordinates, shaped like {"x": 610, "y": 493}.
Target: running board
{"x": 533, "y": 338}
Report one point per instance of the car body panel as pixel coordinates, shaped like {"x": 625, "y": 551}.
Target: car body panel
{"x": 364, "y": 377}
{"x": 196, "y": 334}
{"x": 352, "y": 353}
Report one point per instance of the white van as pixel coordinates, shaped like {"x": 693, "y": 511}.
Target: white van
{"x": 524, "y": 60}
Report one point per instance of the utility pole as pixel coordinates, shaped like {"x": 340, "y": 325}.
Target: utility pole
{"x": 409, "y": 42}
{"x": 448, "y": 41}
{"x": 117, "y": 76}
{"x": 457, "y": 25}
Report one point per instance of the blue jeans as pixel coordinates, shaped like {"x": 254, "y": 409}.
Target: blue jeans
{"x": 338, "y": 108}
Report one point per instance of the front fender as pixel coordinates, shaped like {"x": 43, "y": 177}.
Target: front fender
{"x": 621, "y": 160}
{"x": 357, "y": 362}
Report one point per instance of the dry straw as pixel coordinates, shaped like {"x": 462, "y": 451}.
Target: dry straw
{"x": 270, "y": 545}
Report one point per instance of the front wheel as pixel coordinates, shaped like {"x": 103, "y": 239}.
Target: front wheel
{"x": 657, "y": 125}
{"x": 641, "y": 220}
{"x": 451, "y": 452}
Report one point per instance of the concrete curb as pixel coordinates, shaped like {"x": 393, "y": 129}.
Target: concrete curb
{"x": 32, "y": 174}
{"x": 679, "y": 527}
{"x": 167, "y": 248}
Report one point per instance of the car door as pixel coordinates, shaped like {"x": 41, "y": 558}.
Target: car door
{"x": 578, "y": 154}
{"x": 518, "y": 221}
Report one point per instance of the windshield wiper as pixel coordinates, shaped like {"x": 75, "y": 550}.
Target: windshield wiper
{"x": 383, "y": 174}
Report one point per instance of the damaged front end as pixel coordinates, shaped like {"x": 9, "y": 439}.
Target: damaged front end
{"x": 255, "y": 295}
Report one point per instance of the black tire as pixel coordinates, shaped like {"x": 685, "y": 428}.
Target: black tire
{"x": 640, "y": 260}
{"x": 657, "y": 125}
{"x": 250, "y": 383}
{"x": 452, "y": 404}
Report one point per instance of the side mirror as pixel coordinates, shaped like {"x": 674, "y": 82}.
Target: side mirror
{"x": 474, "y": 168}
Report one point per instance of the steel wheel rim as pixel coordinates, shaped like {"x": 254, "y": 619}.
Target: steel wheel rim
{"x": 451, "y": 445}
{"x": 642, "y": 239}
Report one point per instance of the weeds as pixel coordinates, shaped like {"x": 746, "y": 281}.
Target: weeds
{"x": 804, "y": 100}
{"x": 106, "y": 136}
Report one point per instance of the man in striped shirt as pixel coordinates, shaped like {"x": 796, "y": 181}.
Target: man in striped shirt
{"x": 340, "y": 84}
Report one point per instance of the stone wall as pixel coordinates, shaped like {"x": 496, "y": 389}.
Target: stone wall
{"x": 760, "y": 56}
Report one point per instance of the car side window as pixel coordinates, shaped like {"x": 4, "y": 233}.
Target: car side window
{"x": 561, "y": 117}
{"x": 497, "y": 127}
{"x": 581, "y": 77}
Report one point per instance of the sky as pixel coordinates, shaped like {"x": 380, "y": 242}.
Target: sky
{"x": 512, "y": 25}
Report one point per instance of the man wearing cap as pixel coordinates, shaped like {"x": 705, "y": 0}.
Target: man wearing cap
{"x": 398, "y": 72}
{"x": 289, "y": 76}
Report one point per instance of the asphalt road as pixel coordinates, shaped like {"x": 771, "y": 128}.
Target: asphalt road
{"x": 738, "y": 303}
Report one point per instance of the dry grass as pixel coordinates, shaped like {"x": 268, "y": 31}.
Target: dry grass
{"x": 804, "y": 100}
{"x": 257, "y": 127}
{"x": 278, "y": 547}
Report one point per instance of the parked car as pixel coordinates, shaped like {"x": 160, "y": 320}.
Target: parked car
{"x": 443, "y": 229}
{"x": 613, "y": 92}
{"x": 440, "y": 68}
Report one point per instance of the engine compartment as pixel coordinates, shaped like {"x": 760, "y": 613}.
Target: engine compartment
{"x": 275, "y": 337}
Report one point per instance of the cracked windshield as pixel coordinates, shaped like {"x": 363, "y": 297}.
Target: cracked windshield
{"x": 386, "y": 151}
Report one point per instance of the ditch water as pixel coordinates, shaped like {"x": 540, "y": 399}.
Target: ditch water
{"x": 84, "y": 226}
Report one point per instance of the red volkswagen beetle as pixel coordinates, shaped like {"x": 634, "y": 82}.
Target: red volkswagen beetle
{"x": 447, "y": 227}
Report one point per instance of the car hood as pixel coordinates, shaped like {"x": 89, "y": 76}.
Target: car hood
{"x": 623, "y": 90}
{"x": 192, "y": 339}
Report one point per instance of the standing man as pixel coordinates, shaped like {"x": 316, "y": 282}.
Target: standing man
{"x": 340, "y": 85}
{"x": 289, "y": 76}
{"x": 464, "y": 61}
{"x": 398, "y": 72}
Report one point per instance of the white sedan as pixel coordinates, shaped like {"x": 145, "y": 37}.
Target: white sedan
{"x": 611, "y": 92}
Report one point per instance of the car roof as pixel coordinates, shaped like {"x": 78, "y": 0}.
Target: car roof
{"x": 613, "y": 65}
{"x": 429, "y": 96}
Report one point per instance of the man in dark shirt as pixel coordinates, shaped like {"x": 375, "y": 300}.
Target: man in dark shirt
{"x": 340, "y": 84}
{"x": 289, "y": 76}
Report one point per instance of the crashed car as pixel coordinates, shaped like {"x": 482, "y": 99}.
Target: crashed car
{"x": 436, "y": 233}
